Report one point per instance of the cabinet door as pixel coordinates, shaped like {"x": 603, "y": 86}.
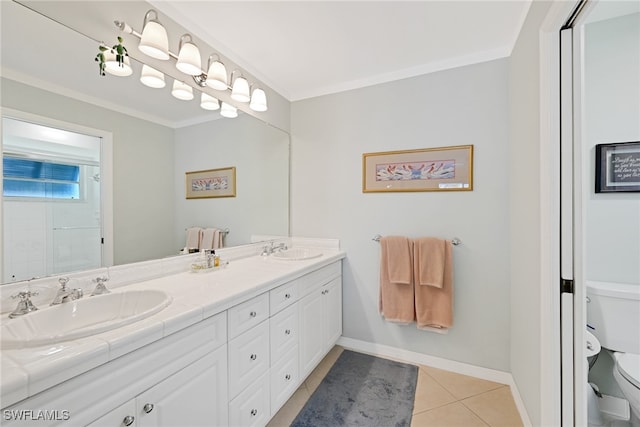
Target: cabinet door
{"x": 283, "y": 333}
{"x": 193, "y": 396}
{"x": 122, "y": 416}
{"x": 332, "y": 293}
{"x": 248, "y": 358}
{"x": 311, "y": 331}
{"x": 251, "y": 407}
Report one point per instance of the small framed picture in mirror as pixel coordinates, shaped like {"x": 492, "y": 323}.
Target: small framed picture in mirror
{"x": 211, "y": 183}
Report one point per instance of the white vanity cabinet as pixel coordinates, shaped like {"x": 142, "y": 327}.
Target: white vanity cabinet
{"x": 235, "y": 368}
{"x": 320, "y": 311}
{"x": 193, "y": 396}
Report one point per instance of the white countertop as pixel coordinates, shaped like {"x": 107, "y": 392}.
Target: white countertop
{"x": 196, "y": 296}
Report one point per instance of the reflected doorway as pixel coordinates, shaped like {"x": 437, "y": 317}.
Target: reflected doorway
{"x": 52, "y": 200}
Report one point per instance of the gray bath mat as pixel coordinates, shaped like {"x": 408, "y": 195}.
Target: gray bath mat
{"x": 362, "y": 390}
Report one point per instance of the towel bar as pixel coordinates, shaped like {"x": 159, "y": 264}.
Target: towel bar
{"x": 455, "y": 241}
{"x": 225, "y": 231}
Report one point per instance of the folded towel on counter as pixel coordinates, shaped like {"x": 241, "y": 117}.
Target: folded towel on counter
{"x": 194, "y": 235}
{"x": 433, "y": 270}
{"x": 396, "y": 301}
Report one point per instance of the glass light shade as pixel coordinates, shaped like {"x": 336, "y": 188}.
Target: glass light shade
{"x": 189, "y": 61}
{"x": 154, "y": 41}
{"x": 182, "y": 91}
{"x": 240, "y": 90}
{"x": 152, "y": 77}
{"x": 258, "y": 100}
{"x": 217, "y": 76}
{"x": 228, "y": 111}
{"x": 208, "y": 102}
{"x": 112, "y": 67}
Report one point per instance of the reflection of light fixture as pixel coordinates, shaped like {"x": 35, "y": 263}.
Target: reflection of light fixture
{"x": 208, "y": 102}
{"x": 258, "y": 100}
{"x": 154, "y": 41}
{"x": 151, "y": 77}
{"x": 216, "y": 75}
{"x": 228, "y": 111}
{"x": 240, "y": 89}
{"x": 182, "y": 91}
{"x": 112, "y": 66}
{"x": 189, "y": 61}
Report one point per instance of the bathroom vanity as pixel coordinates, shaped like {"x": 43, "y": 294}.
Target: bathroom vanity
{"x": 230, "y": 349}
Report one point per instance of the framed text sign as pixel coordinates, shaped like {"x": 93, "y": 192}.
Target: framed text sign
{"x": 618, "y": 167}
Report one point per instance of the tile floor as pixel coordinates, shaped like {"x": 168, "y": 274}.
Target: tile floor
{"x": 443, "y": 399}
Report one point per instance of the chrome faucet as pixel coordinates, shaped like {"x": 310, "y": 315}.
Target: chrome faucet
{"x": 271, "y": 248}
{"x": 24, "y": 305}
{"x": 64, "y": 294}
{"x": 100, "y": 288}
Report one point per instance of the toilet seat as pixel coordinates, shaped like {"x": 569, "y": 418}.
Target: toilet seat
{"x": 629, "y": 367}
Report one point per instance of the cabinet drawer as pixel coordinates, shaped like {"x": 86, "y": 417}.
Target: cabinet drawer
{"x": 283, "y": 296}
{"x": 315, "y": 279}
{"x": 283, "y": 332}
{"x": 251, "y": 407}
{"x": 243, "y": 317}
{"x": 284, "y": 379}
{"x": 248, "y": 358}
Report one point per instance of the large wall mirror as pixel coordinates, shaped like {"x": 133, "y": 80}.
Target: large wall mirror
{"x": 150, "y": 140}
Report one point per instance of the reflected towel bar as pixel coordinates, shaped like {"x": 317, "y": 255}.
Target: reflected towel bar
{"x": 455, "y": 241}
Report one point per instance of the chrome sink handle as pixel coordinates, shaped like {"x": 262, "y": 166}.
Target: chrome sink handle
{"x": 64, "y": 294}
{"x": 24, "y": 305}
{"x": 100, "y": 288}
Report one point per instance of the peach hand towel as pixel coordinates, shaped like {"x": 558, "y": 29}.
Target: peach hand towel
{"x": 434, "y": 304}
{"x": 193, "y": 238}
{"x": 396, "y": 302}
{"x": 208, "y": 238}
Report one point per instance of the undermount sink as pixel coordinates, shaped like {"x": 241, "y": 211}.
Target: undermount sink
{"x": 297, "y": 254}
{"x": 81, "y": 318}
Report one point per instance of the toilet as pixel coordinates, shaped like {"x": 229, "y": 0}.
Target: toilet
{"x": 613, "y": 311}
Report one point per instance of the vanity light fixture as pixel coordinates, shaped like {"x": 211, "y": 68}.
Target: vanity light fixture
{"x": 114, "y": 68}
{"x": 182, "y": 91}
{"x": 258, "y": 100}
{"x": 228, "y": 111}
{"x": 189, "y": 61}
{"x": 154, "y": 40}
{"x": 216, "y": 74}
{"x": 208, "y": 102}
{"x": 240, "y": 88}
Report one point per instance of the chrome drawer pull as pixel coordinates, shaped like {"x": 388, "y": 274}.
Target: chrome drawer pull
{"x": 148, "y": 407}
{"x": 253, "y": 357}
{"x": 287, "y": 296}
{"x": 128, "y": 420}
{"x": 254, "y": 412}
{"x": 288, "y": 332}
{"x": 287, "y": 377}
{"x": 253, "y": 314}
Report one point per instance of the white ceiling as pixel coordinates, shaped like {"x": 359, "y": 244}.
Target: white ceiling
{"x": 304, "y": 49}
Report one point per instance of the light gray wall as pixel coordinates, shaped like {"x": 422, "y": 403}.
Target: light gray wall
{"x": 467, "y": 105}
{"x": 260, "y": 154}
{"x": 524, "y": 169}
{"x": 143, "y": 164}
{"x": 612, "y": 109}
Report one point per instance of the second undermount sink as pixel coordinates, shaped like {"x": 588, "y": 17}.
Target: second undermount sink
{"x": 81, "y": 318}
{"x": 297, "y": 254}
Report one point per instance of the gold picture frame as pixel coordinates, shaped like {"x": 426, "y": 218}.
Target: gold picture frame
{"x": 211, "y": 183}
{"x": 427, "y": 169}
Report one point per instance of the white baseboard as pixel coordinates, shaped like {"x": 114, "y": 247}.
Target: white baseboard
{"x": 440, "y": 363}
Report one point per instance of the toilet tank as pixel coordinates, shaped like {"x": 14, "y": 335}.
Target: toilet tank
{"x": 613, "y": 310}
